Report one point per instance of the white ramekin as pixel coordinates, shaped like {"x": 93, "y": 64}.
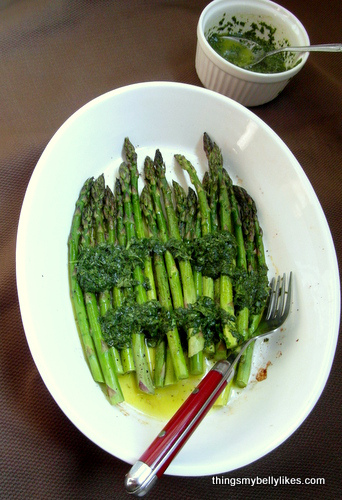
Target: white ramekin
{"x": 247, "y": 87}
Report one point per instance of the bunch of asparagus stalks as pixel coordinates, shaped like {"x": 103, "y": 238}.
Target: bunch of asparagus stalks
{"x": 196, "y": 283}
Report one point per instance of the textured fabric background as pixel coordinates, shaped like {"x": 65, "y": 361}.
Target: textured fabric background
{"x": 56, "y": 55}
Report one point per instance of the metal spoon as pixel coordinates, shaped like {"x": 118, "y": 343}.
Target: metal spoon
{"x": 259, "y": 54}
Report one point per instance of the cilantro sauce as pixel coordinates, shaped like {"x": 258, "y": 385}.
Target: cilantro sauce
{"x": 102, "y": 267}
{"x": 240, "y": 55}
{"x": 164, "y": 402}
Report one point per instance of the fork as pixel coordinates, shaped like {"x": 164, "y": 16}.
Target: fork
{"x": 158, "y": 456}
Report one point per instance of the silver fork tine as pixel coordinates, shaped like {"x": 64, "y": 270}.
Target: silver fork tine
{"x": 288, "y": 300}
{"x": 281, "y": 297}
{"x": 276, "y": 295}
{"x": 272, "y": 301}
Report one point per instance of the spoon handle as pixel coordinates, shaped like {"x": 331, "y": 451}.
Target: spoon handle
{"x": 324, "y": 47}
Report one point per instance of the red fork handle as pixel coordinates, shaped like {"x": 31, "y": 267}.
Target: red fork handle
{"x": 158, "y": 456}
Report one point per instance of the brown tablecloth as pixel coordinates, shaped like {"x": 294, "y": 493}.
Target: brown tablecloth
{"x": 56, "y": 55}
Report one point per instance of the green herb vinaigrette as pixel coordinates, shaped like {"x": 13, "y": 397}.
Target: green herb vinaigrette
{"x": 102, "y": 267}
{"x": 166, "y": 400}
{"x": 240, "y": 55}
